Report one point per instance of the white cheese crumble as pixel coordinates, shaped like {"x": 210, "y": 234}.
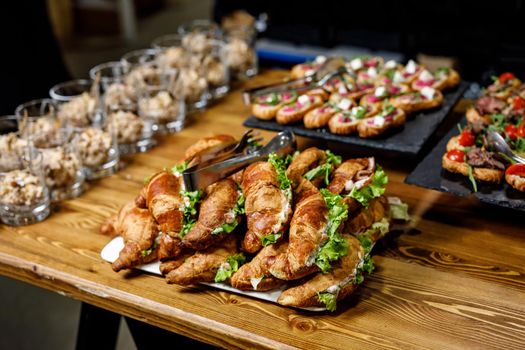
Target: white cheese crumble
{"x": 411, "y": 67}
{"x": 390, "y": 64}
{"x": 356, "y": 63}
{"x": 303, "y": 99}
{"x": 425, "y": 76}
{"x": 380, "y": 91}
{"x": 344, "y": 104}
{"x": 428, "y": 92}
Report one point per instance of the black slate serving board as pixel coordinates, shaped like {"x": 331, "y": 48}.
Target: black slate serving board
{"x": 407, "y": 140}
{"x": 430, "y": 174}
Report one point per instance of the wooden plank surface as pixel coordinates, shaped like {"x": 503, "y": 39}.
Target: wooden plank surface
{"x": 454, "y": 278}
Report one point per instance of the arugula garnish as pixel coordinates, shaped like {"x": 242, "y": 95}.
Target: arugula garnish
{"x": 460, "y": 128}
{"x": 324, "y": 169}
{"x": 272, "y": 99}
{"x": 270, "y": 238}
{"x": 507, "y": 158}
{"x": 191, "y": 199}
{"x": 150, "y": 250}
{"x": 329, "y": 299}
{"x": 230, "y": 267}
{"x": 335, "y": 247}
{"x": 373, "y": 190}
{"x": 471, "y": 178}
{"x": 441, "y": 71}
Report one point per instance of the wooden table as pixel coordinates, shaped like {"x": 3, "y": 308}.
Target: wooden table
{"x": 453, "y": 279}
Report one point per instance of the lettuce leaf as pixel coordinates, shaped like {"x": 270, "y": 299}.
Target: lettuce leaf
{"x": 190, "y": 210}
{"x": 230, "y": 267}
{"x": 270, "y": 238}
{"x": 335, "y": 247}
{"x": 324, "y": 169}
{"x": 179, "y": 169}
{"x": 399, "y": 211}
{"x": 329, "y": 299}
{"x": 373, "y": 190}
{"x": 237, "y": 210}
{"x": 280, "y": 164}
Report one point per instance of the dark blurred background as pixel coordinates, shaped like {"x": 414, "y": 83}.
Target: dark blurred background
{"x": 45, "y": 42}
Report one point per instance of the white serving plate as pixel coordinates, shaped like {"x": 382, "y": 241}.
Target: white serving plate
{"x": 111, "y": 251}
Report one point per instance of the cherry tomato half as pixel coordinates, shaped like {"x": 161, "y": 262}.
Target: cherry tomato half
{"x": 516, "y": 169}
{"x": 456, "y": 155}
{"x": 504, "y": 77}
{"x": 518, "y": 102}
{"x": 467, "y": 138}
{"x": 521, "y": 130}
{"x": 511, "y": 131}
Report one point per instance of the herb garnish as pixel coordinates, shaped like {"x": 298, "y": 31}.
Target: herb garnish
{"x": 238, "y": 209}
{"x": 375, "y": 189}
{"x": 188, "y": 216}
{"x": 179, "y": 169}
{"x": 471, "y": 177}
{"x": 270, "y": 238}
{"x": 324, "y": 169}
{"x": 335, "y": 247}
{"x": 329, "y": 299}
{"x": 230, "y": 267}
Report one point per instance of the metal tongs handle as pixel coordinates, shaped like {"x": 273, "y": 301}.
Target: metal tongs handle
{"x": 331, "y": 68}
{"x": 199, "y": 177}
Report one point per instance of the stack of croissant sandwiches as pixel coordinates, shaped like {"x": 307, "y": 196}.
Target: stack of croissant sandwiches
{"x": 371, "y": 98}
{"x": 305, "y": 223}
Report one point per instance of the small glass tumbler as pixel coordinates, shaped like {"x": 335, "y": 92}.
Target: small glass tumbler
{"x": 161, "y": 110}
{"x": 8, "y": 123}
{"x": 62, "y": 165}
{"x": 133, "y": 133}
{"x": 138, "y": 57}
{"x": 24, "y": 196}
{"x": 78, "y": 102}
{"x": 98, "y": 150}
{"x": 240, "y": 52}
{"x": 66, "y": 91}
{"x": 37, "y": 118}
{"x": 205, "y": 26}
{"x": 116, "y": 94}
{"x": 216, "y": 68}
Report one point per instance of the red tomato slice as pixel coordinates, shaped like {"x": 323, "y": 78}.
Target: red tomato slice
{"x": 521, "y": 130}
{"x": 511, "y": 131}
{"x": 516, "y": 169}
{"x": 518, "y": 102}
{"x": 456, "y": 155}
{"x": 503, "y": 78}
{"x": 466, "y": 138}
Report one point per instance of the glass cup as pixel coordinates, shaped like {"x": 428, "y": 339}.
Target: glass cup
{"x": 66, "y": 91}
{"x": 78, "y": 102}
{"x": 161, "y": 110}
{"x": 205, "y": 26}
{"x": 167, "y": 41}
{"x": 61, "y": 164}
{"x": 97, "y": 148}
{"x": 132, "y": 132}
{"x": 8, "y": 124}
{"x": 24, "y": 196}
{"x": 116, "y": 94}
{"x": 138, "y": 57}
{"x": 37, "y": 119}
{"x": 216, "y": 70}
{"x": 240, "y": 52}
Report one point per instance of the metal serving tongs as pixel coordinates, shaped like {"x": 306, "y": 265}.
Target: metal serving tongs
{"x": 331, "y": 68}
{"x": 500, "y": 145}
{"x": 199, "y": 176}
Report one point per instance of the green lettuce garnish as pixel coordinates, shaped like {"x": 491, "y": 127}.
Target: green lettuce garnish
{"x": 270, "y": 238}
{"x": 329, "y": 299}
{"x": 399, "y": 211}
{"x": 335, "y": 247}
{"x": 373, "y": 190}
{"x": 324, "y": 169}
{"x": 232, "y": 265}
{"x": 180, "y": 168}
{"x": 190, "y": 210}
{"x": 237, "y": 210}
{"x": 472, "y": 178}
{"x": 280, "y": 164}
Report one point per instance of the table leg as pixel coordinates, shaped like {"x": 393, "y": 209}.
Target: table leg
{"x": 146, "y": 336}
{"x": 97, "y": 329}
